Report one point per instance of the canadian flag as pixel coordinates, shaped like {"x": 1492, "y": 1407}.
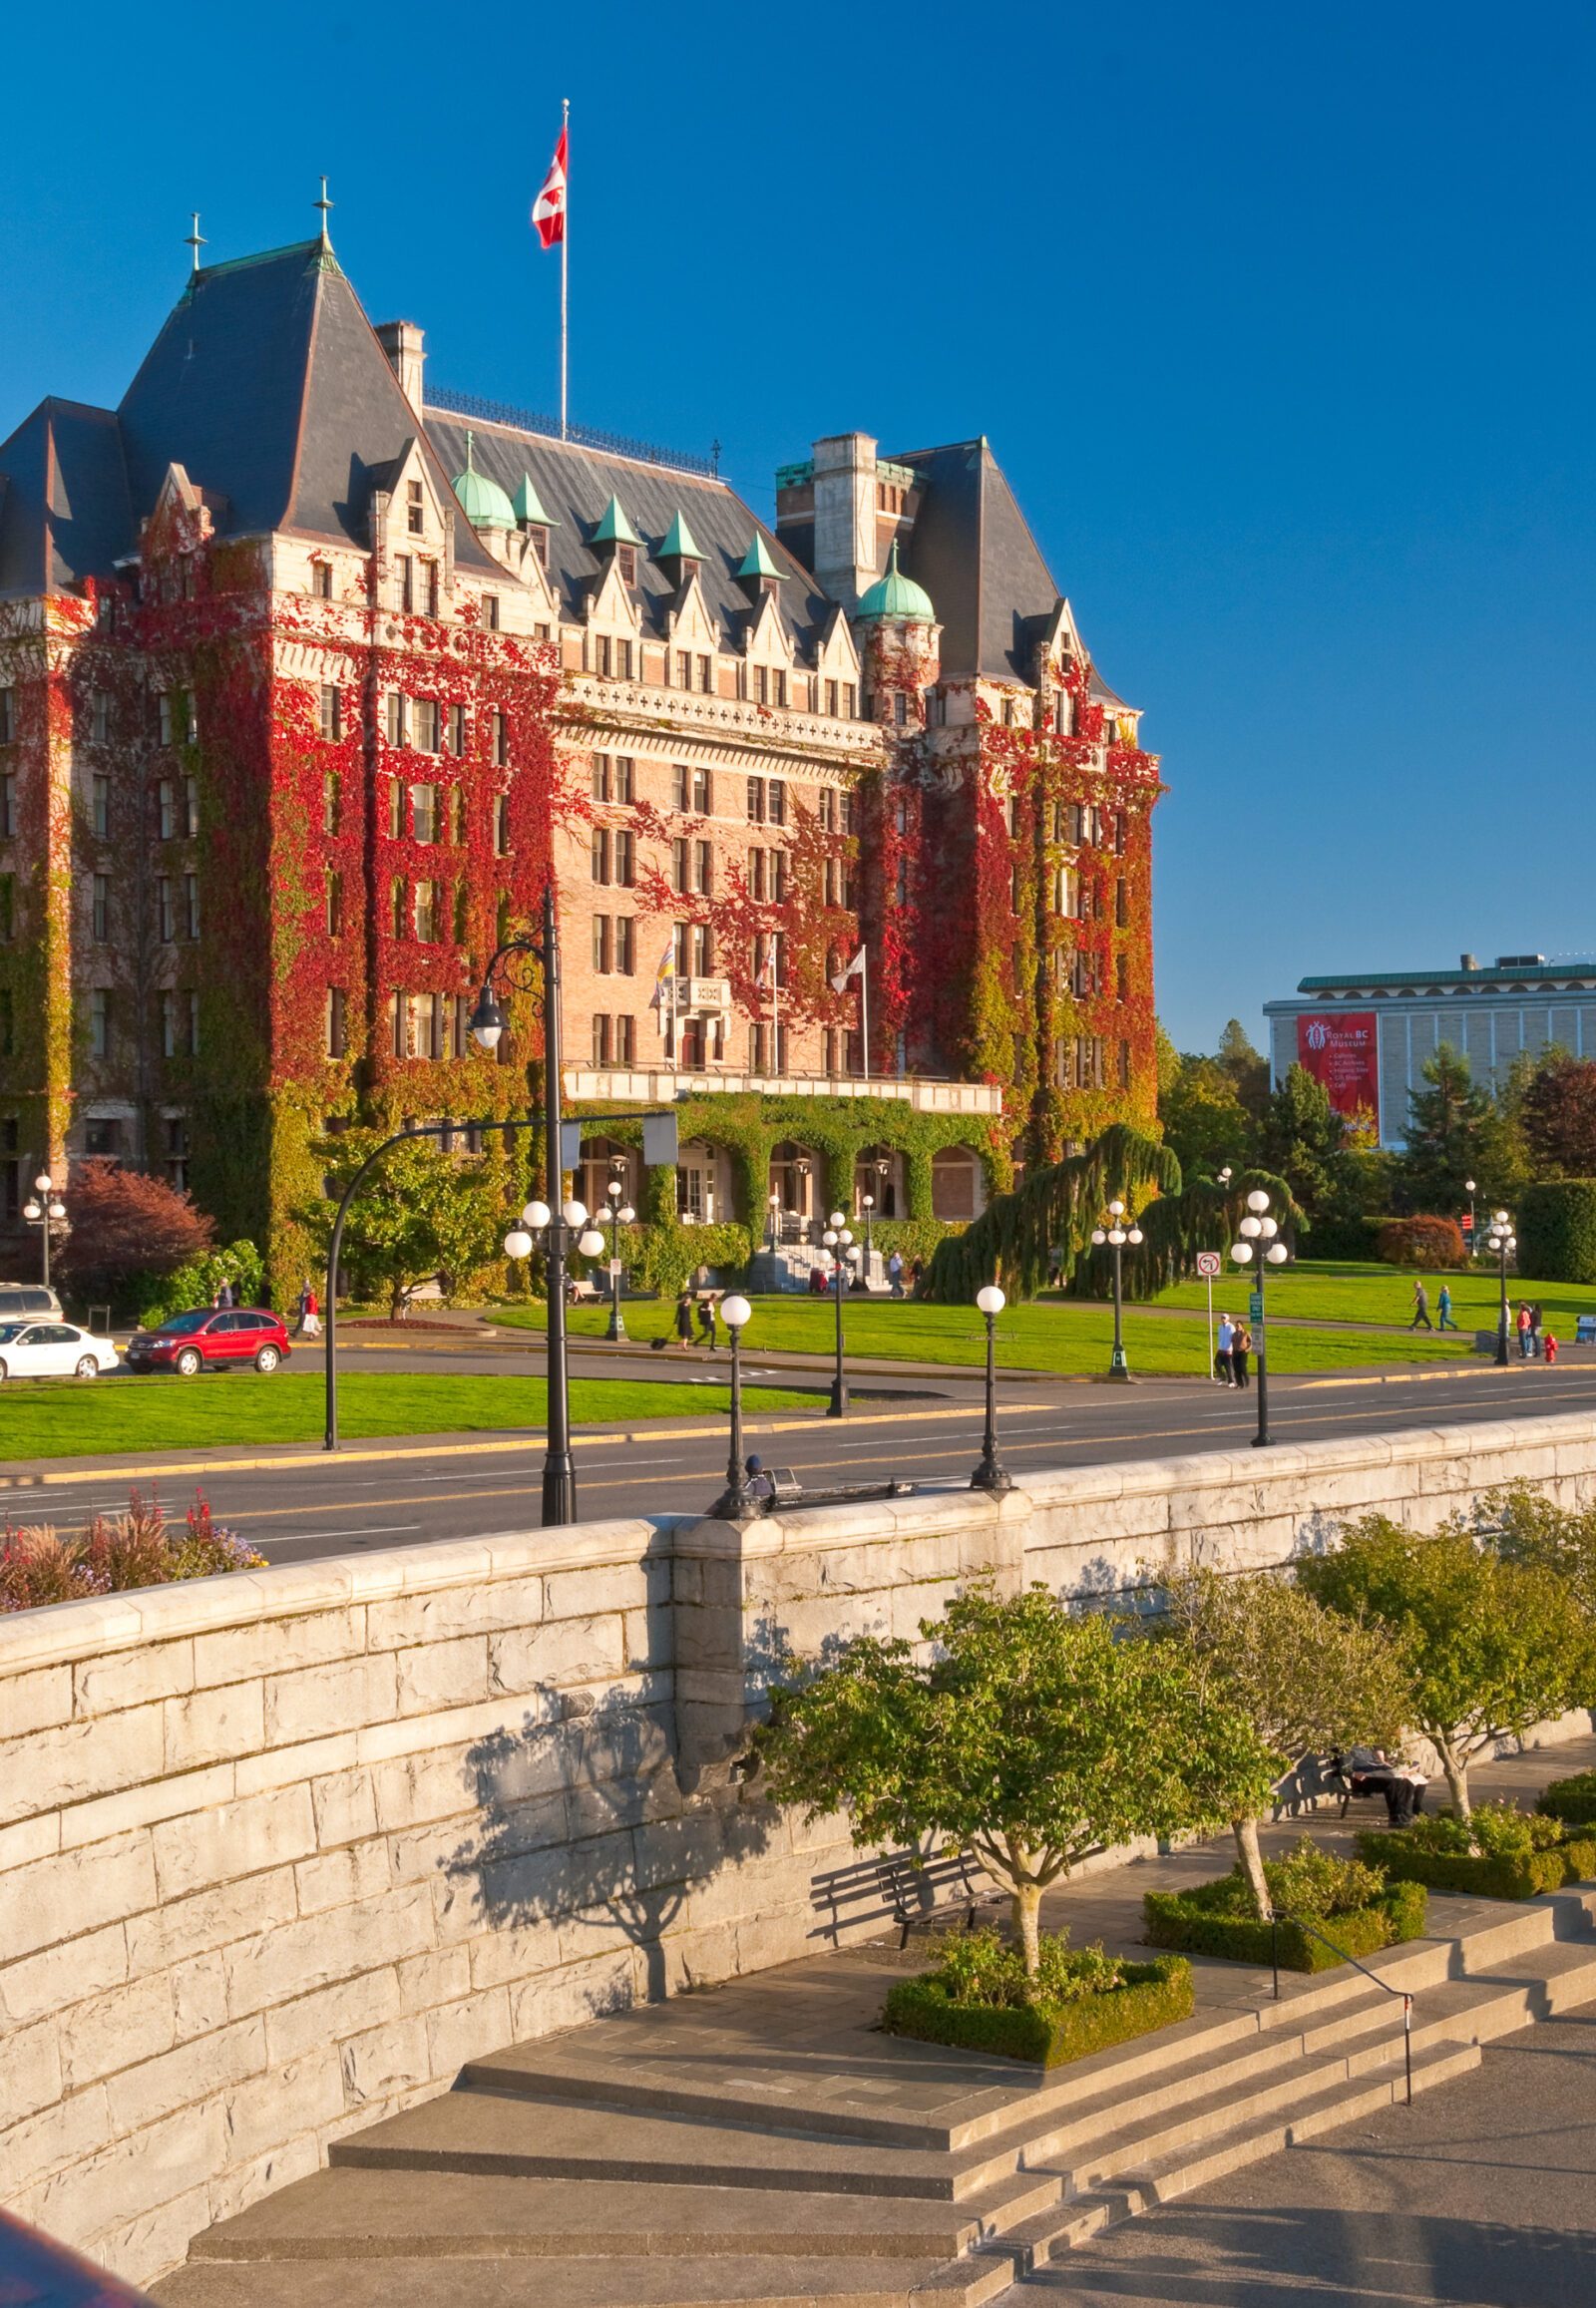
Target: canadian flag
{"x": 548, "y": 209}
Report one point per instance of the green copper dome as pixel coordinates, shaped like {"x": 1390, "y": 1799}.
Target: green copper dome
{"x": 482, "y": 500}
{"x": 897, "y": 596}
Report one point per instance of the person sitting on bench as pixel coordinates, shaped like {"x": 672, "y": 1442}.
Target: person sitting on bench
{"x": 1371, "y": 1772}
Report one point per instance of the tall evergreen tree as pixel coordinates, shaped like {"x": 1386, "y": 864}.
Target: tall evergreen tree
{"x": 1304, "y": 1139}
{"x": 1455, "y": 1133}
{"x": 1247, "y": 1068}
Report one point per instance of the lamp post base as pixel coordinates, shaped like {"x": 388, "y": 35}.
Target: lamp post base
{"x": 1263, "y": 1441}
{"x": 558, "y": 1490}
{"x": 837, "y": 1399}
{"x": 989, "y": 1476}
{"x": 1120, "y": 1375}
{"x": 618, "y": 1328}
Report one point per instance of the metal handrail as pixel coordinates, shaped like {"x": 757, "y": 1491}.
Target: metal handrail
{"x": 1385, "y": 1986}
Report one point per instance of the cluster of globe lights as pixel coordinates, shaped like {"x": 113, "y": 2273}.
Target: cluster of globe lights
{"x": 1117, "y": 1232}
{"x": 838, "y": 1235}
{"x": 1501, "y": 1236}
{"x": 1256, "y": 1226}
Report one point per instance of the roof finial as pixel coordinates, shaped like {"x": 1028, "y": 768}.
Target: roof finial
{"x": 196, "y": 240}
{"x": 324, "y": 205}
{"x": 471, "y": 439}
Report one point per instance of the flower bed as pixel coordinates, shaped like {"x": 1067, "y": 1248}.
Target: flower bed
{"x": 1082, "y": 2001}
{"x": 1572, "y": 1801}
{"x": 1351, "y": 1903}
{"x": 1501, "y": 1853}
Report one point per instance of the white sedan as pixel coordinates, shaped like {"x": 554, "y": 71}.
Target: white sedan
{"x": 53, "y": 1351}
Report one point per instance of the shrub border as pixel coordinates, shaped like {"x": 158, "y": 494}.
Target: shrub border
{"x": 1174, "y": 1919}
{"x": 1154, "y": 1995}
{"x": 1570, "y": 1861}
{"x": 1573, "y": 1801}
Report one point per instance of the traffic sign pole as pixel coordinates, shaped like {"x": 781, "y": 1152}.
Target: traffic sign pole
{"x": 1209, "y": 1264}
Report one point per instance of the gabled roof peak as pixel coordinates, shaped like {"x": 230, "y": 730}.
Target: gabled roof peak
{"x": 614, "y": 527}
{"x": 679, "y": 544}
{"x": 757, "y": 562}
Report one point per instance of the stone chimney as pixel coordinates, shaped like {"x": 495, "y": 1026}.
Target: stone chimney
{"x": 845, "y": 516}
{"x": 402, "y": 341}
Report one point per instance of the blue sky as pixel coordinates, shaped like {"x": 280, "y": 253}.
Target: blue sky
{"x": 1280, "y": 320}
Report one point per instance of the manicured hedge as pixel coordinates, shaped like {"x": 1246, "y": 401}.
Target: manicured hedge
{"x": 1154, "y": 1995}
{"x": 1200, "y": 1922}
{"x": 1483, "y": 1878}
{"x": 1557, "y": 1230}
{"x": 1422, "y": 1242}
{"x": 1573, "y": 1801}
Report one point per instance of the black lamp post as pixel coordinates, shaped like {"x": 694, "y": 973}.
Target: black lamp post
{"x": 488, "y": 1023}
{"x": 733, "y": 1502}
{"x": 1116, "y": 1234}
{"x": 1471, "y": 1190}
{"x": 989, "y": 1475}
{"x": 1260, "y": 1243}
{"x": 836, "y": 1240}
{"x": 773, "y": 1205}
{"x": 617, "y": 1213}
{"x": 44, "y": 1209}
{"x": 1502, "y": 1240}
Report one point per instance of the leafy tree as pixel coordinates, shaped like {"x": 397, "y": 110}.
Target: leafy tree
{"x": 1166, "y": 1059}
{"x": 124, "y": 1223}
{"x": 1453, "y": 1134}
{"x": 1247, "y": 1068}
{"x": 197, "y": 1281}
{"x": 1305, "y": 1142}
{"x": 1558, "y": 1118}
{"x": 1492, "y": 1646}
{"x": 1205, "y": 1121}
{"x": 1524, "y": 1526}
{"x": 1023, "y": 1734}
{"x": 420, "y": 1214}
{"x": 1302, "y": 1678}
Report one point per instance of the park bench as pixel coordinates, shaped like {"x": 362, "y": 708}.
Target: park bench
{"x": 908, "y": 1887}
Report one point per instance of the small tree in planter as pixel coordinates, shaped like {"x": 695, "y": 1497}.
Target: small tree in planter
{"x": 1493, "y": 1647}
{"x": 1026, "y": 1737}
{"x": 1302, "y": 1678}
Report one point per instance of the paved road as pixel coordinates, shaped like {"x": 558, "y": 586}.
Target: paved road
{"x": 1482, "y": 2193}
{"x": 298, "y": 1504}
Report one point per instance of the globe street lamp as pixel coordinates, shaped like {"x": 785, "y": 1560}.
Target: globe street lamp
{"x": 734, "y": 1503}
{"x": 1470, "y": 1190}
{"x": 774, "y": 1202}
{"x": 1260, "y": 1243}
{"x": 44, "y": 1209}
{"x": 1118, "y": 1234}
{"x": 542, "y": 1228}
{"x": 487, "y": 1023}
{"x": 617, "y": 1213}
{"x": 989, "y": 1475}
{"x": 836, "y": 1240}
{"x": 1502, "y": 1240}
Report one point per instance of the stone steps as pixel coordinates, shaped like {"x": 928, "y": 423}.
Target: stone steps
{"x": 673, "y": 2170}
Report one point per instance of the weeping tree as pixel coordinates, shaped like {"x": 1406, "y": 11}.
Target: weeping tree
{"x": 1202, "y": 1216}
{"x": 1014, "y": 1237}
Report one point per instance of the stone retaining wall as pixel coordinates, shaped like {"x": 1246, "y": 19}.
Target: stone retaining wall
{"x": 279, "y": 1851}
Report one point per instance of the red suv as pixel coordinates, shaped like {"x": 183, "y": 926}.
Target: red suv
{"x": 211, "y": 1338}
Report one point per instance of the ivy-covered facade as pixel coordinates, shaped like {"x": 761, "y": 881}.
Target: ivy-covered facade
{"x": 311, "y": 678}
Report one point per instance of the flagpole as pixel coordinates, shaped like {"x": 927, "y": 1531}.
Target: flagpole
{"x": 564, "y": 258}
{"x": 775, "y": 1014}
{"x": 864, "y": 1004}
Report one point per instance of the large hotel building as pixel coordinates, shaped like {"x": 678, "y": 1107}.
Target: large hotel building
{"x": 310, "y": 675}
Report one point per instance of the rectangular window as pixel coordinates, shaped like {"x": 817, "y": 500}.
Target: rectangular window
{"x": 8, "y": 715}
{"x": 600, "y": 777}
{"x": 706, "y": 676}
{"x": 832, "y": 699}
{"x": 431, "y": 568}
{"x": 626, "y": 945}
{"x": 331, "y": 711}
{"x": 679, "y": 863}
{"x": 684, "y": 669}
{"x": 1121, "y": 978}
{"x": 99, "y": 806}
{"x": 426, "y": 724}
{"x": 396, "y": 1024}
{"x": 100, "y": 1021}
{"x": 501, "y": 825}
{"x": 625, "y": 1041}
{"x": 607, "y": 656}
{"x": 191, "y": 806}
{"x": 425, "y": 913}
{"x": 778, "y": 801}
{"x": 164, "y": 718}
{"x": 600, "y": 943}
{"x": 415, "y": 508}
{"x": 395, "y": 713}
{"x": 763, "y": 684}
{"x": 177, "y": 1153}
{"x": 680, "y": 786}
{"x": 780, "y": 686}
{"x": 601, "y": 855}
{"x": 194, "y": 1024}
{"x": 407, "y": 583}
{"x": 98, "y": 717}
{"x": 191, "y": 903}
{"x": 331, "y": 813}
{"x": 454, "y": 730}
{"x": 624, "y": 850}
{"x": 623, "y": 660}
{"x": 702, "y": 949}
{"x": 850, "y": 701}
{"x": 1120, "y": 833}
{"x": 164, "y": 916}
{"x": 321, "y": 580}
{"x": 501, "y": 741}
{"x": 625, "y": 778}
{"x": 424, "y": 813}
{"x": 601, "y": 1039}
{"x": 703, "y": 867}
{"x": 1125, "y": 1065}
{"x": 626, "y": 563}
{"x": 702, "y": 794}
{"x": 457, "y": 815}
{"x": 334, "y": 903}
{"x": 8, "y": 907}
{"x": 8, "y": 805}
{"x": 101, "y": 910}
{"x": 490, "y": 611}
{"x": 757, "y": 801}
{"x": 168, "y": 1025}
{"x": 1122, "y": 903}
{"x": 756, "y": 875}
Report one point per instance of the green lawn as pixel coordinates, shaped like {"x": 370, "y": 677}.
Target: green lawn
{"x": 1051, "y": 1335}
{"x": 58, "y": 1419}
{"x": 1324, "y": 1291}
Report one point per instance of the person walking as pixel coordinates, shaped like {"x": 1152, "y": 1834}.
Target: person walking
{"x": 894, "y": 1273}
{"x": 1227, "y": 1340}
{"x": 1536, "y": 1319}
{"x": 1240, "y": 1345}
{"x": 684, "y": 1318}
{"x": 1524, "y": 1339}
{"x": 706, "y": 1320}
{"x": 1421, "y": 1319}
{"x": 310, "y": 1320}
{"x": 1443, "y": 1308}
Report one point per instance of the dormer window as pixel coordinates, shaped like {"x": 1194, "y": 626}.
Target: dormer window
{"x": 539, "y": 546}
{"x": 321, "y": 580}
{"x": 626, "y": 563}
{"x": 415, "y": 508}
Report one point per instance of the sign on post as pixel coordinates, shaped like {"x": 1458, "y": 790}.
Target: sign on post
{"x": 1210, "y": 1265}
{"x": 1255, "y": 1307}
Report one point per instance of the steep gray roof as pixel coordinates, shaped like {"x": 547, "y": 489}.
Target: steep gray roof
{"x": 972, "y": 550}
{"x": 576, "y": 483}
{"x": 65, "y": 513}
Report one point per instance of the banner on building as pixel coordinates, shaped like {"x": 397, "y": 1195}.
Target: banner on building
{"x": 1341, "y": 1049}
